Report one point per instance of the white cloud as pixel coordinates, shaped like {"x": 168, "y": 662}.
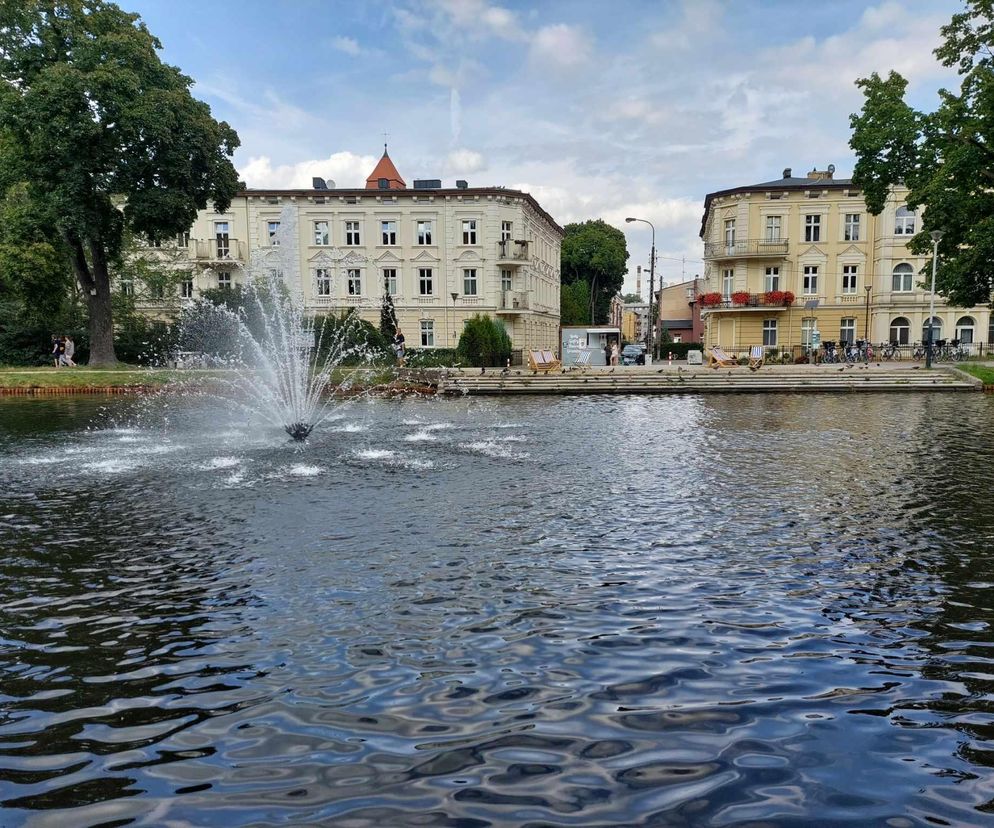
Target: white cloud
{"x": 561, "y": 45}
{"x": 464, "y": 162}
{"x": 349, "y": 45}
{"x": 346, "y": 169}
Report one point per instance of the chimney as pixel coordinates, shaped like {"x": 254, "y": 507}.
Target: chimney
{"x": 786, "y": 172}
{"x": 638, "y": 280}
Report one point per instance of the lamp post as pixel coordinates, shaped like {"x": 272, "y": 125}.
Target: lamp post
{"x": 652, "y": 286}
{"x": 936, "y": 238}
{"x": 452, "y": 327}
{"x": 866, "y": 325}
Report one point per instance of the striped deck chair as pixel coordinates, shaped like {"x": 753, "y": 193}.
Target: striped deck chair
{"x": 544, "y": 361}
{"x": 582, "y": 361}
{"x": 757, "y": 356}
{"x": 717, "y": 358}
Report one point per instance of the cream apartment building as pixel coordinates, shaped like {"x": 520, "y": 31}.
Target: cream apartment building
{"x": 443, "y": 254}
{"x": 851, "y": 273}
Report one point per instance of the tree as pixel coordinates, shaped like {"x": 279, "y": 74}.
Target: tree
{"x": 574, "y": 303}
{"x": 632, "y": 299}
{"x": 595, "y": 252}
{"x": 945, "y": 158}
{"x": 388, "y": 318}
{"x": 106, "y": 137}
{"x": 484, "y": 342}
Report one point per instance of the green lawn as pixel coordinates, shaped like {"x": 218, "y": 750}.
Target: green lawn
{"x": 982, "y": 372}
{"x": 89, "y": 377}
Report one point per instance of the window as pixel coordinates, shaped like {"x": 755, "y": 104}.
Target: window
{"x": 321, "y": 233}
{"x": 809, "y": 283}
{"x": 807, "y": 327}
{"x": 354, "y": 276}
{"x": 849, "y": 275}
{"x": 904, "y": 222}
{"x": 852, "y": 227}
{"x": 469, "y": 281}
{"x": 183, "y": 240}
{"x": 127, "y": 287}
{"x": 772, "y": 279}
{"x": 990, "y": 331}
{"x": 388, "y": 232}
{"x": 390, "y": 281}
{"x": 186, "y": 288}
{"x": 506, "y": 230}
{"x": 505, "y": 279}
{"x": 275, "y": 275}
{"x": 223, "y": 280}
{"x": 812, "y": 228}
{"x": 847, "y": 329}
{"x": 964, "y": 329}
{"x": 729, "y": 234}
{"x": 322, "y": 277}
{"x": 427, "y": 333}
{"x": 383, "y": 183}
{"x": 469, "y": 231}
{"x": 727, "y": 284}
{"x": 222, "y": 242}
{"x": 936, "y": 329}
{"x": 900, "y": 331}
{"x": 154, "y": 242}
{"x": 274, "y": 228}
{"x": 425, "y": 281}
{"x": 773, "y": 228}
{"x": 903, "y": 280}
{"x": 352, "y": 232}
{"x": 424, "y": 232}
{"x": 156, "y": 290}
{"x": 770, "y": 332}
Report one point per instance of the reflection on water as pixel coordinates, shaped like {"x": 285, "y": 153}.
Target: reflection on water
{"x": 606, "y": 611}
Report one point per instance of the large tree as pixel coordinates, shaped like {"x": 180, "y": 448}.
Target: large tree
{"x": 596, "y": 253}
{"x": 106, "y": 137}
{"x": 946, "y": 157}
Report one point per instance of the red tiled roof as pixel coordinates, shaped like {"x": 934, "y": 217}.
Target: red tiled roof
{"x": 385, "y": 169}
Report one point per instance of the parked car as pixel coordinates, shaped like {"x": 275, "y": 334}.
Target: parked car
{"x": 633, "y": 355}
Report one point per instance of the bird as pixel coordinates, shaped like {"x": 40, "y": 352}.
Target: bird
{"x": 505, "y": 371}
{"x": 842, "y": 369}
{"x": 483, "y": 370}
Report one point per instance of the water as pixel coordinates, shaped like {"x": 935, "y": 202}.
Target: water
{"x": 586, "y": 612}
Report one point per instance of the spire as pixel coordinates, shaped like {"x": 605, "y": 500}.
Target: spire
{"x": 385, "y": 170}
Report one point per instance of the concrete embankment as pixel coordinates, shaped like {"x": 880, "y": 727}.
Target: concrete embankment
{"x": 680, "y": 380}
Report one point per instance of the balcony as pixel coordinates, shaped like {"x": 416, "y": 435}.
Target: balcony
{"x": 746, "y": 249}
{"x": 742, "y": 301}
{"x": 514, "y": 301}
{"x": 217, "y": 250}
{"x": 512, "y": 252}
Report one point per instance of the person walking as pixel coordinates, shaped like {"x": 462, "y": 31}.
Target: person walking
{"x": 614, "y": 353}
{"x": 398, "y": 346}
{"x": 70, "y": 349}
{"x": 58, "y": 350}
{"x": 607, "y": 353}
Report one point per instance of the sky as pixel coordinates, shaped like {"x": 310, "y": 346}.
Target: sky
{"x": 598, "y": 109}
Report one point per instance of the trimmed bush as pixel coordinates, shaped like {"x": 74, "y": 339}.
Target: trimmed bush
{"x": 484, "y": 342}
{"x": 432, "y": 358}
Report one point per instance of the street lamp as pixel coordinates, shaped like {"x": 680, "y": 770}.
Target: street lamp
{"x": 866, "y": 326}
{"x": 452, "y": 327}
{"x": 652, "y": 286}
{"x": 936, "y": 238}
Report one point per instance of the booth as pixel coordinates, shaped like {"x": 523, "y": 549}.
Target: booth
{"x": 577, "y": 339}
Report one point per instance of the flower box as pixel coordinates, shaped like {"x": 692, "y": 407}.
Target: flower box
{"x": 779, "y": 297}
{"x": 710, "y": 300}
{"x": 741, "y": 297}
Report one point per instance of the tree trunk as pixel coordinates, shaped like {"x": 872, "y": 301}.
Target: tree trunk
{"x": 101, "y": 322}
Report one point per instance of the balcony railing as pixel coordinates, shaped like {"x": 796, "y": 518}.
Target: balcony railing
{"x": 754, "y": 301}
{"x": 513, "y": 301}
{"x": 769, "y": 248}
{"x": 217, "y": 250}
{"x": 512, "y": 251}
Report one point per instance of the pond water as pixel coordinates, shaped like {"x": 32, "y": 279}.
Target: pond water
{"x": 599, "y": 611}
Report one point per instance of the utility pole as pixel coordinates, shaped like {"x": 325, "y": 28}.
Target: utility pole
{"x": 652, "y": 287}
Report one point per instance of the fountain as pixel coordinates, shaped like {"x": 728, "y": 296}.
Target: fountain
{"x": 282, "y": 365}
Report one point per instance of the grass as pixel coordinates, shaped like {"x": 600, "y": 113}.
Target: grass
{"x": 982, "y": 372}
{"x": 82, "y": 377}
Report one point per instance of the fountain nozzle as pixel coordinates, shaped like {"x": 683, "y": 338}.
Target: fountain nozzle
{"x": 299, "y": 431}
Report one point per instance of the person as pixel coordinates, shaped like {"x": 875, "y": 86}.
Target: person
{"x": 58, "y": 349}
{"x": 614, "y": 353}
{"x": 398, "y": 346}
{"x": 607, "y": 352}
{"x": 70, "y": 349}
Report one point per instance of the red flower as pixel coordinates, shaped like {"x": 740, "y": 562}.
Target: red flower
{"x": 740, "y": 297}
{"x": 710, "y": 300}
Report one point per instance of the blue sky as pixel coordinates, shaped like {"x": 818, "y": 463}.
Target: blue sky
{"x": 599, "y": 109}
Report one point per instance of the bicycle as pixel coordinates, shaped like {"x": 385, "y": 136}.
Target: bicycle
{"x": 831, "y": 354}
{"x": 891, "y": 351}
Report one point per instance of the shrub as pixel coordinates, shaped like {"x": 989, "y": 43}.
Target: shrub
{"x": 432, "y": 358}
{"x": 355, "y": 341}
{"x": 484, "y": 342}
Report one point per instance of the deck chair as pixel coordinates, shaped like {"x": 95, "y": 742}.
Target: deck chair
{"x": 757, "y": 356}
{"x": 582, "y": 361}
{"x": 543, "y": 361}
{"x": 717, "y": 358}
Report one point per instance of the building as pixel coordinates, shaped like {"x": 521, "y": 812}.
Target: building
{"x": 443, "y": 254}
{"x": 635, "y": 321}
{"x": 680, "y": 312}
{"x": 797, "y": 254}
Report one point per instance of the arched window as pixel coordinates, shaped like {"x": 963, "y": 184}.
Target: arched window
{"x": 964, "y": 329}
{"x": 903, "y": 280}
{"x": 900, "y": 331}
{"x": 990, "y": 331}
{"x": 904, "y": 222}
{"x": 936, "y": 329}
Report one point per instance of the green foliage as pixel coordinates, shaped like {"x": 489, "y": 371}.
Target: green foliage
{"x": 946, "y": 157}
{"x": 354, "y": 340}
{"x": 388, "y": 318}
{"x": 632, "y": 299}
{"x": 106, "y": 137}
{"x": 484, "y": 342}
{"x": 574, "y": 303}
{"x": 678, "y": 349}
{"x": 595, "y": 252}
{"x": 433, "y": 358}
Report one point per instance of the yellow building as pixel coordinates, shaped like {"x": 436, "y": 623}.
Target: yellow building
{"x": 850, "y": 273}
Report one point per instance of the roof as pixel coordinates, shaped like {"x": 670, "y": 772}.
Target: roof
{"x": 677, "y": 323}
{"x": 385, "y": 169}
{"x": 789, "y": 183}
{"x": 452, "y": 192}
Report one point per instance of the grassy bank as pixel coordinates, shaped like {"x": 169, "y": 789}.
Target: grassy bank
{"x": 984, "y": 373}
{"x": 125, "y": 376}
